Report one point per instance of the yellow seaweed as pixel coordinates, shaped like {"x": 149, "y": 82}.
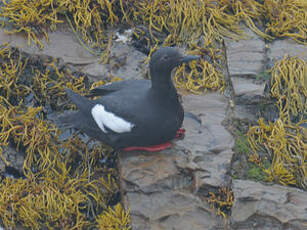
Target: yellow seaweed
{"x": 53, "y": 194}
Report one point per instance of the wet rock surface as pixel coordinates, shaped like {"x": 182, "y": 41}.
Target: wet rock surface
{"x": 278, "y": 48}
{"x": 169, "y": 189}
{"x": 246, "y": 57}
{"x": 62, "y": 44}
{"x": 14, "y": 160}
{"x": 247, "y": 95}
{"x": 259, "y": 206}
{"x": 209, "y": 145}
{"x": 124, "y": 62}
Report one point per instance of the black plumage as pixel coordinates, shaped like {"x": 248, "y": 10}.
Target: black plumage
{"x": 151, "y": 107}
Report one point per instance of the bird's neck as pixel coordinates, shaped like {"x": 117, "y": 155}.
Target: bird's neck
{"x": 162, "y": 84}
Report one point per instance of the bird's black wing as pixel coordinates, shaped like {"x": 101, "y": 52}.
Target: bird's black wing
{"x": 116, "y": 86}
{"x": 131, "y": 103}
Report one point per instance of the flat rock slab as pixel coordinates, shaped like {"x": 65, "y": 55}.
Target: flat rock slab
{"x": 268, "y": 207}
{"x": 246, "y": 57}
{"x": 279, "y": 48}
{"x": 247, "y": 94}
{"x": 168, "y": 189}
{"x": 245, "y": 86}
{"x": 165, "y": 190}
{"x": 14, "y": 158}
{"x": 62, "y": 44}
{"x": 124, "y": 61}
{"x": 209, "y": 144}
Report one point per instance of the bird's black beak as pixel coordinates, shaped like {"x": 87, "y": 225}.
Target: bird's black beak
{"x": 188, "y": 58}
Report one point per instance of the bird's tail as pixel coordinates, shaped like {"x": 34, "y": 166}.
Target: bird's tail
{"x": 81, "y": 102}
{"x": 68, "y": 119}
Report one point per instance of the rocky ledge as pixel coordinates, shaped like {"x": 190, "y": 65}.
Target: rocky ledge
{"x": 172, "y": 189}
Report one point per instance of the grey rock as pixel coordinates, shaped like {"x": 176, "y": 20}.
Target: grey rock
{"x": 165, "y": 190}
{"x": 169, "y": 210}
{"x": 247, "y": 96}
{"x": 246, "y": 86}
{"x": 158, "y": 195}
{"x": 259, "y": 206}
{"x": 210, "y": 145}
{"x": 279, "y": 48}
{"x": 96, "y": 70}
{"x": 246, "y": 57}
{"x": 62, "y": 44}
{"x": 13, "y": 157}
{"x": 152, "y": 172}
{"x": 124, "y": 62}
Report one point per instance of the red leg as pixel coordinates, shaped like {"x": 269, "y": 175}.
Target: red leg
{"x": 152, "y": 148}
{"x": 155, "y": 148}
{"x": 180, "y": 133}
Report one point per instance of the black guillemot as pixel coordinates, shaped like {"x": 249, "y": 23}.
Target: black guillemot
{"x": 134, "y": 114}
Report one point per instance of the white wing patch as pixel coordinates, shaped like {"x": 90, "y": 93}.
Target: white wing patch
{"x": 104, "y": 119}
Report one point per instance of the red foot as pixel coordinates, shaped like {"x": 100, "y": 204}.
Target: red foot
{"x": 180, "y": 133}
{"x": 153, "y": 148}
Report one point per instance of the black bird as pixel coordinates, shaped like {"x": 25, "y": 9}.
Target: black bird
{"x": 133, "y": 113}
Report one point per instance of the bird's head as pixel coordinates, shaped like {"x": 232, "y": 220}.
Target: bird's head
{"x": 164, "y": 60}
